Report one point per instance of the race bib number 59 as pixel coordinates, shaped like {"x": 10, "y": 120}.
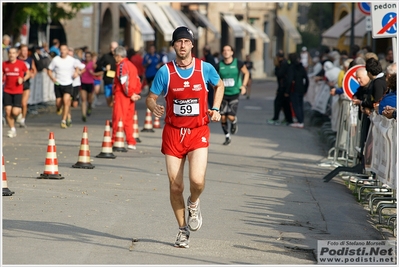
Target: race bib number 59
{"x": 186, "y": 107}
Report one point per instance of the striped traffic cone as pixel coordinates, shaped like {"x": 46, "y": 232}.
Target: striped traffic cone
{"x": 51, "y": 162}
{"x": 136, "y": 127}
{"x": 106, "y": 152}
{"x": 119, "y": 143}
{"x": 148, "y": 122}
{"x": 157, "y": 123}
{"x": 84, "y": 153}
{"x": 6, "y": 191}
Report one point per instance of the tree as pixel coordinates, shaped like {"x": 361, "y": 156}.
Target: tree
{"x": 16, "y": 14}
{"x": 319, "y": 19}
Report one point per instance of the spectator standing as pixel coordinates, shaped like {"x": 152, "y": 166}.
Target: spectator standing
{"x": 282, "y": 99}
{"x": 6, "y": 46}
{"x": 297, "y": 86}
{"x": 186, "y": 132}
{"x": 15, "y": 73}
{"x": 56, "y": 47}
{"x": 150, "y": 63}
{"x": 388, "y": 59}
{"x": 127, "y": 90}
{"x": 30, "y": 64}
{"x": 390, "y": 98}
{"x": 305, "y": 58}
{"x": 378, "y": 84}
{"x": 107, "y": 65}
{"x": 230, "y": 70}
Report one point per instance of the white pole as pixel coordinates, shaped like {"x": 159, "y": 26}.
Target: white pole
{"x": 394, "y": 48}
{"x": 48, "y": 24}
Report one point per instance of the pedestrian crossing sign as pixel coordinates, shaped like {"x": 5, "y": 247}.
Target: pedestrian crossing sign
{"x": 384, "y": 19}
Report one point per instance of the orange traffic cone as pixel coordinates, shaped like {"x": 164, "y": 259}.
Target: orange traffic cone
{"x": 157, "y": 123}
{"x": 84, "y": 153}
{"x": 106, "y": 152}
{"x": 51, "y": 163}
{"x": 6, "y": 191}
{"x": 119, "y": 143}
{"x": 136, "y": 127}
{"x": 148, "y": 122}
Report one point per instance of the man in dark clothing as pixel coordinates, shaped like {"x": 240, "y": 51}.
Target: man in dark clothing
{"x": 378, "y": 85}
{"x": 107, "y": 65}
{"x": 282, "y": 99}
{"x": 297, "y": 86}
{"x": 208, "y": 57}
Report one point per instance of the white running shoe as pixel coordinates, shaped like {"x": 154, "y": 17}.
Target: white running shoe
{"x": 182, "y": 238}
{"x": 12, "y": 134}
{"x": 194, "y": 216}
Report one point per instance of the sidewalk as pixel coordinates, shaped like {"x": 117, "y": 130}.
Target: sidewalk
{"x": 264, "y": 203}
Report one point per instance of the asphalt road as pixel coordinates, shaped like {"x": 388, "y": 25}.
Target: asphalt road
{"x": 264, "y": 203}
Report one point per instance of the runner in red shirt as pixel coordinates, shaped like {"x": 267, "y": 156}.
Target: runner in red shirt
{"x": 15, "y": 73}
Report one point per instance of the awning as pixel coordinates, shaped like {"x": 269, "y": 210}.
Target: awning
{"x": 177, "y": 19}
{"x": 263, "y": 35}
{"x": 234, "y": 24}
{"x": 155, "y": 13}
{"x": 253, "y": 34}
{"x": 205, "y": 23}
{"x": 136, "y": 17}
{"x": 287, "y": 25}
{"x": 360, "y": 31}
{"x": 332, "y": 35}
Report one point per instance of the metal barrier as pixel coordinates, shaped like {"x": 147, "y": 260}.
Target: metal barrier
{"x": 347, "y": 135}
{"x": 41, "y": 90}
{"x": 375, "y": 177}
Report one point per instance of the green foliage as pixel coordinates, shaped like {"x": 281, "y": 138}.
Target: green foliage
{"x": 322, "y": 15}
{"x": 17, "y": 13}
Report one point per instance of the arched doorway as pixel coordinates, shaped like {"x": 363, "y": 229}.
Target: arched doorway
{"x": 37, "y": 33}
{"x": 106, "y": 31}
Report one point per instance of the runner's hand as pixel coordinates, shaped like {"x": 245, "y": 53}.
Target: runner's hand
{"x": 215, "y": 115}
{"x": 158, "y": 111}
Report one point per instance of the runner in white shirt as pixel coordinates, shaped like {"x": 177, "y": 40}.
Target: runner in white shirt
{"x": 65, "y": 69}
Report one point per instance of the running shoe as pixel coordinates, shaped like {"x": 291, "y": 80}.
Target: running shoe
{"x": 227, "y": 142}
{"x": 84, "y": 118}
{"x": 182, "y": 238}
{"x": 89, "y": 112}
{"x": 22, "y": 124}
{"x": 64, "y": 125}
{"x": 131, "y": 147}
{"x": 11, "y": 134}
{"x": 194, "y": 216}
{"x": 234, "y": 127}
{"x": 69, "y": 123}
{"x": 18, "y": 118}
{"x": 59, "y": 111}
